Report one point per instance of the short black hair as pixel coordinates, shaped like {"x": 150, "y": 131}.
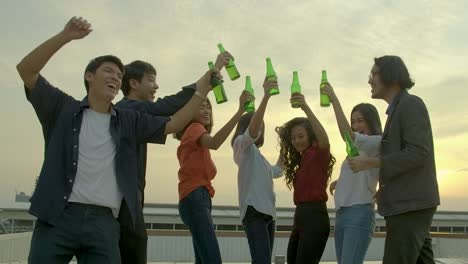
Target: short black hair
{"x": 393, "y": 70}
{"x": 135, "y": 70}
{"x": 98, "y": 61}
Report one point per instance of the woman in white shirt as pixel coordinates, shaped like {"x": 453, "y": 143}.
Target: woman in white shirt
{"x": 255, "y": 181}
{"x": 354, "y": 192}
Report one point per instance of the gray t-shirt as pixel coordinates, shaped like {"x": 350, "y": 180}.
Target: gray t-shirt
{"x": 359, "y": 188}
{"x": 96, "y": 181}
{"x": 255, "y": 177}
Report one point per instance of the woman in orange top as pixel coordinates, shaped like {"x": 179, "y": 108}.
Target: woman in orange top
{"x": 196, "y": 172}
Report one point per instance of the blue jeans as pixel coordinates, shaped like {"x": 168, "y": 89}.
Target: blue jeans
{"x": 195, "y": 211}
{"x": 89, "y": 232}
{"x": 353, "y": 233}
{"x": 260, "y": 231}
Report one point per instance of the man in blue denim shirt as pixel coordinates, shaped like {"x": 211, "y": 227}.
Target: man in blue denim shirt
{"x": 139, "y": 88}
{"x": 89, "y": 166}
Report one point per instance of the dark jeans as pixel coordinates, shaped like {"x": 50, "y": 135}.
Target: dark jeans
{"x": 260, "y": 231}
{"x": 310, "y": 233}
{"x": 133, "y": 240}
{"x": 195, "y": 211}
{"x": 408, "y": 239}
{"x": 89, "y": 232}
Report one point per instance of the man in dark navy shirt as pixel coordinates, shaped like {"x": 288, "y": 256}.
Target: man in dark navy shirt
{"x": 89, "y": 166}
{"x": 139, "y": 88}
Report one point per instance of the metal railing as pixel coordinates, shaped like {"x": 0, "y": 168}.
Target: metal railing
{"x": 168, "y": 245}
{"x": 14, "y": 247}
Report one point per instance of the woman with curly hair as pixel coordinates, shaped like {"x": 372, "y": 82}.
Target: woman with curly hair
{"x": 308, "y": 166}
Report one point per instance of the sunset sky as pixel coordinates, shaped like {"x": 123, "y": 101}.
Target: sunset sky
{"x": 180, "y": 37}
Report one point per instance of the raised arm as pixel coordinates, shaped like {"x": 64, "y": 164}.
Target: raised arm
{"x": 257, "y": 118}
{"x": 166, "y": 106}
{"x": 343, "y": 124}
{"x": 279, "y": 161}
{"x": 182, "y": 117}
{"x": 169, "y": 105}
{"x": 222, "y": 60}
{"x": 31, "y": 65}
{"x": 320, "y": 132}
{"x": 214, "y": 142}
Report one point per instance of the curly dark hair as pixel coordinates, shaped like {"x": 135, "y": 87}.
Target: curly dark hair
{"x": 290, "y": 156}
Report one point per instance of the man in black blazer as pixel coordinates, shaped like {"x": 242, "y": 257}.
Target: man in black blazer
{"x": 408, "y": 191}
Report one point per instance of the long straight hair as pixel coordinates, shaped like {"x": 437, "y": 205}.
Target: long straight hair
{"x": 371, "y": 116}
{"x": 178, "y": 135}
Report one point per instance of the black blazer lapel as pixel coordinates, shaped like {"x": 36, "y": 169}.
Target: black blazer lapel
{"x": 392, "y": 113}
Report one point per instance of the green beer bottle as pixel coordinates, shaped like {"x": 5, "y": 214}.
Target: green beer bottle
{"x": 295, "y": 88}
{"x": 324, "y": 100}
{"x": 231, "y": 67}
{"x": 218, "y": 87}
{"x": 249, "y": 105}
{"x": 271, "y": 75}
{"x": 351, "y": 148}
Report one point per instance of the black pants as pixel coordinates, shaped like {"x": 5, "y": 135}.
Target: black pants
{"x": 408, "y": 238}
{"x": 133, "y": 239}
{"x": 89, "y": 232}
{"x": 310, "y": 233}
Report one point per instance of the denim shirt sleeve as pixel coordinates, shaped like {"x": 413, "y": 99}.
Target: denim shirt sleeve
{"x": 148, "y": 128}
{"x": 169, "y": 105}
{"x": 47, "y": 102}
{"x": 142, "y": 107}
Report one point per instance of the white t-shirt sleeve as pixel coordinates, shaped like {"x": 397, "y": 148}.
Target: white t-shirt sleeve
{"x": 241, "y": 143}
{"x": 368, "y": 144}
{"x": 277, "y": 171}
